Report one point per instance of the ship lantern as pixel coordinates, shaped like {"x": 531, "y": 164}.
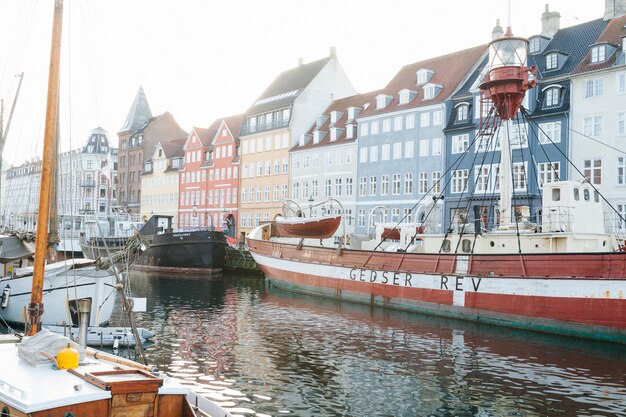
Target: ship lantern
{"x": 508, "y": 77}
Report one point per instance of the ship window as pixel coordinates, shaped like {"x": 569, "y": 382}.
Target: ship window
{"x": 446, "y": 245}
{"x": 466, "y": 245}
{"x": 596, "y": 196}
{"x": 576, "y": 194}
{"x": 556, "y": 194}
{"x": 586, "y": 194}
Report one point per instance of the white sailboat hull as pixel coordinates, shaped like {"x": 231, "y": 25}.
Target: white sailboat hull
{"x": 63, "y": 286}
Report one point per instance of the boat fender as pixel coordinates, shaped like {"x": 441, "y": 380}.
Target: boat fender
{"x": 68, "y": 358}
{"x": 6, "y": 293}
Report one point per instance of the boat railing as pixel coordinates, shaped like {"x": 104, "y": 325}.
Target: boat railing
{"x": 615, "y": 223}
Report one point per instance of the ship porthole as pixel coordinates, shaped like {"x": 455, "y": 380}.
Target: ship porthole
{"x": 492, "y": 243}
{"x": 604, "y": 243}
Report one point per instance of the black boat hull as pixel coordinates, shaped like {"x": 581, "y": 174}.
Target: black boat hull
{"x": 193, "y": 251}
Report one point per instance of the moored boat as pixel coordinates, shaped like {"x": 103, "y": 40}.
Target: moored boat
{"x": 188, "y": 251}
{"x": 560, "y": 272}
{"x": 309, "y": 227}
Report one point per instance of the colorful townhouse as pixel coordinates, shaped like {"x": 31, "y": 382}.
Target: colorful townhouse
{"x": 323, "y": 162}
{"x": 539, "y": 140}
{"x": 222, "y": 201}
{"x": 193, "y": 207}
{"x": 273, "y": 125}
{"x": 598, "y": 117}
{"x": 138, "y": 138}
{"x": 400, "y": 144}
{"x": 159, "y": 180}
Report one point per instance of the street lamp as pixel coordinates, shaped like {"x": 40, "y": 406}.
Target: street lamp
{"x": 195, "y": 210}
{"x": 310, "y": 206}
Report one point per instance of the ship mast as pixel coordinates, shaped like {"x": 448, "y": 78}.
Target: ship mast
{"x": 35, "y": 308}
{"x": 505, "y": 85}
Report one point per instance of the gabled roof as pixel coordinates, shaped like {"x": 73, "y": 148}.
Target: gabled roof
{"x": 287, "y": 86}
{"x": 448, "y": 71}
{"x": 612, "y": 34}
{"x": 341, "y": 105}
{"x": 234, "y": 124}
{"x": 573, "y": 41}
{"x": 138, "y": 114}
{"x": 173, "y": 148}
{"x": 204, "y": 135}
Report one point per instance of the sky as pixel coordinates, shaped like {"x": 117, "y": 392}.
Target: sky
{"x": 204, "y": 59}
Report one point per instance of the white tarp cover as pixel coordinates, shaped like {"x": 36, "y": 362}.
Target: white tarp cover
{"x": 45, "y": 341}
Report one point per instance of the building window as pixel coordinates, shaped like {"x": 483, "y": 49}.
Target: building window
{"x": 386, "y": 148}
{"x": 552, "y": 96}
{"x": 361, "y": 218}
{"x": 436, "y": 146}
{"x": 423, "y": 183}
{"x": 408, "y": 183}
{"x": 621, "y": 83}
{"x": 409, "y": 121}
{"x": 436, "y": 182}
{"x": 397, "y": 123}
{"x": 548, "y": 172}
{"x": 362, "y": 186}
{"x": 338, "y": 186}
{"x": 408, "y": 149}
{"x": 397, "y": 150}
{"x": 384, "y": 185}
{"x": 425, "y": 119}
{"x": 424, "y": 147}
{"x": 552, "y": 61}
{"x": 519, "y": 176}
{"x": 459, "y": 180}
{"x": 373, "y": 184}
{"x": 386, "y": 125}
{"x": 374, "y": 153}
{"x": 550, "y": 132}
{"x": 460, "y": 143}
{"x": 621, "y": 123}
{"x": 363, "y": 155}
{"x": 598, "y": 54}
{"x": 348, "y": 186}
{"x": 592, "y": 126}
{"x": 594, "y": 87}
{"x": 328, "y": 185}
{"x": 621, "y": 170}
{"x": 534, "y": 45}
{"x": 462, "y": 113}
{"x": 396, "y": 184}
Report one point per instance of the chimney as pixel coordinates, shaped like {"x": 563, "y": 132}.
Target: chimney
{"x": 300, "y": 61}
{"x": 550, "y": 22}
{"x": 497, "y": 31}
{"x": 333, "y": 52}
{"x": 614, "y": 8}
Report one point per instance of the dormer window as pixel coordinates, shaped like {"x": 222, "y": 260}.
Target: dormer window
{"x": 382, "y": 101}
{"x": 534, "y": 45}
{"x": 335, "y": 116}
{"x": 350, "y": 131}
{"x": 406, "y": 96}
{"x": 353, "y": 112}
{"x": 552, "y": 95}
{"x": 318, "y": 135}
{"x": 431, "y": 91}
{"x": 552, "y": 61}
{"x": 423, "y": 76}
{"x": 598, "y": 54}
{"x": 462, "y": 112}
{"x": 320, "y": 120}
{"x": 334, "y": 132}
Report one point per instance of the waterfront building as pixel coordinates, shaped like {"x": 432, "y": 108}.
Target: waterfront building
{"x": 598, "y": 117}
{"x": 273, "y": 124}
{"x": 539, "y": 143}
{"x": 138, "y": 138}
{"x": 159, "y": 180}
{"x": 193, "y": 179}
{"x": 20, "y": 195}
{"x": 400, "y": 145}
{"x": 222, "y": 182}
{"x": 323, "y": 162}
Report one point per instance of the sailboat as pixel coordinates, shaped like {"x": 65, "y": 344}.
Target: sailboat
{"x": 564, "y": 274}
{"x": 47, "y": 374}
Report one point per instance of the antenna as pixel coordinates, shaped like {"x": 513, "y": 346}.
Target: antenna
{"x": 508, "y": 23}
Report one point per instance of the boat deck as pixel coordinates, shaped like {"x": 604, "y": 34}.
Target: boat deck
{"x": 33, "y": 388}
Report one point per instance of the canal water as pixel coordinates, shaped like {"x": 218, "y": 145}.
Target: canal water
{"x": 261, "y": 351}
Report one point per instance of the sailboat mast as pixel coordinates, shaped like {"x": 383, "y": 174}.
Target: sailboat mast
{"x": 35, "y": 308}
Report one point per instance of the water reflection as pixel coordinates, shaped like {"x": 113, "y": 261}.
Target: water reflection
{"x": 256, "y": 349}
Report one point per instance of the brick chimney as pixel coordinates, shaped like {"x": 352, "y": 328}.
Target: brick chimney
{"x": 497, "y": 31}
{"x": 550, "y": 22}
{"x": 614, "y": 8}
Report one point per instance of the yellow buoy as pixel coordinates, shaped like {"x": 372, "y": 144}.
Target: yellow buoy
{"x": 68, "y": 358}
